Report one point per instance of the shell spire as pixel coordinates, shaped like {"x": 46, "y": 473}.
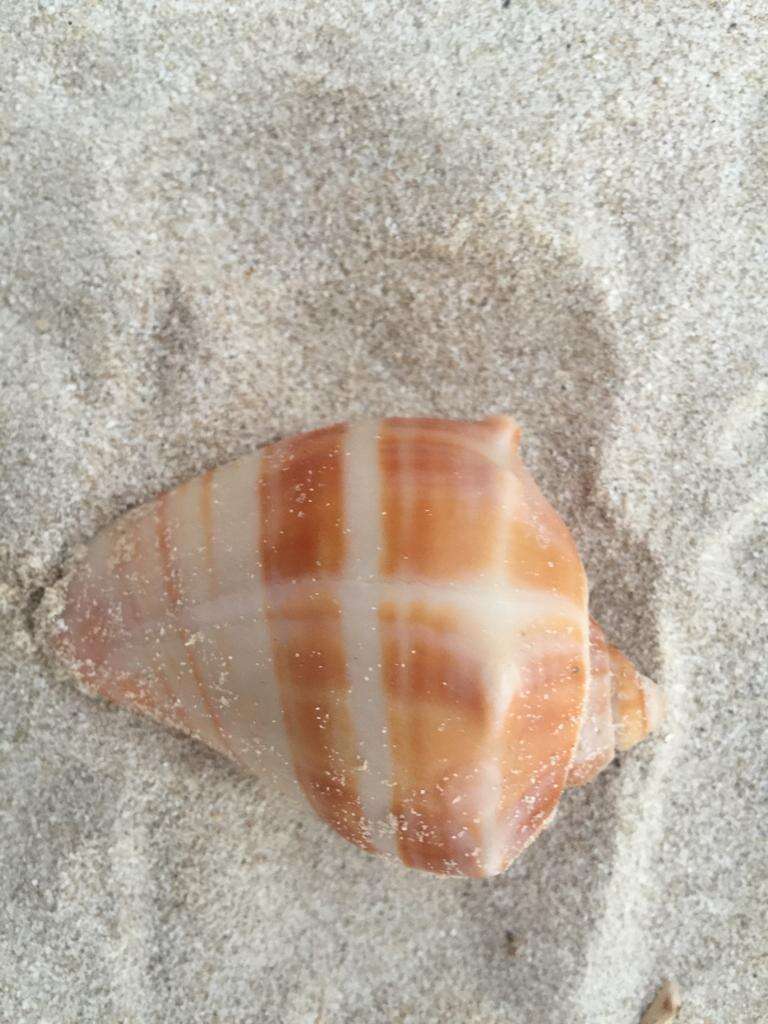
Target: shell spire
{"x": 386, "y": 618}
{"x": 622, "y": 708}
{"x": 639, "y": 706}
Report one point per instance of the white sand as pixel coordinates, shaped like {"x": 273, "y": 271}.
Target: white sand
{"x": 221, "y": 223}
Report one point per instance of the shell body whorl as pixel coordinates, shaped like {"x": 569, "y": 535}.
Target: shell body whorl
{"x": 387, "y": 617}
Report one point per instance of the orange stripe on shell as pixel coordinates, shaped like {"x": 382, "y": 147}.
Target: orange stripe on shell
{"x": 443, "y": 499}
{"x": 542, "y": 553}
{"x": 174, "y": 599}
{"x": 629, "y": 701}
{"x": 301, "y": 492}
{"x": 310, "y": 665}
{"x": 302, "y": 506}
{"x": 595, "y": 748}
{"x": 470, "y": 478}
{"x": 539, "y": 734}
{"x": 439, "y": 721}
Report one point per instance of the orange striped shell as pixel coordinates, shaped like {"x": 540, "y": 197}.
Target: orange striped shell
{"x": 387, "y": 617}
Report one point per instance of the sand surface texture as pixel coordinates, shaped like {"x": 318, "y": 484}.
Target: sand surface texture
{"x": 223, "y": 223}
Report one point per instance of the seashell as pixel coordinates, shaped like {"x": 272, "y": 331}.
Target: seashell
{"x": 385, "y": 618}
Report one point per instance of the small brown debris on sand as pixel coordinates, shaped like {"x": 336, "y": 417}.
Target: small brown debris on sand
{"x": 665, "y": 1006}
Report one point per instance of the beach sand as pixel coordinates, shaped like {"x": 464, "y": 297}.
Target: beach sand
{"x": 224, "y": 223}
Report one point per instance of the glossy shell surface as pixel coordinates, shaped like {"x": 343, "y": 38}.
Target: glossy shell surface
{"x": 386, "y": 618}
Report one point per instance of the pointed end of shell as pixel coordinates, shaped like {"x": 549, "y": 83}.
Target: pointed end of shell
{"x": 639, "y": 705}
{"x": 505, "y": 428}
{"x": 655, "y": 703}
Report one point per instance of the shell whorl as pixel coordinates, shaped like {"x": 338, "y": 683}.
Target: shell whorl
{"x": 386, "y": 617}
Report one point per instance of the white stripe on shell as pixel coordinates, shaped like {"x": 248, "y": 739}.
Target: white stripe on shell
{"x": 504, "y": 682}
{"x": 250, "y": 704}
{"x": 359, "y": 599}
{"x": 496, "y": 612}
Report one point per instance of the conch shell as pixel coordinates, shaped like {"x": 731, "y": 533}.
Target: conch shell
{"x": 386, "y": 618}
